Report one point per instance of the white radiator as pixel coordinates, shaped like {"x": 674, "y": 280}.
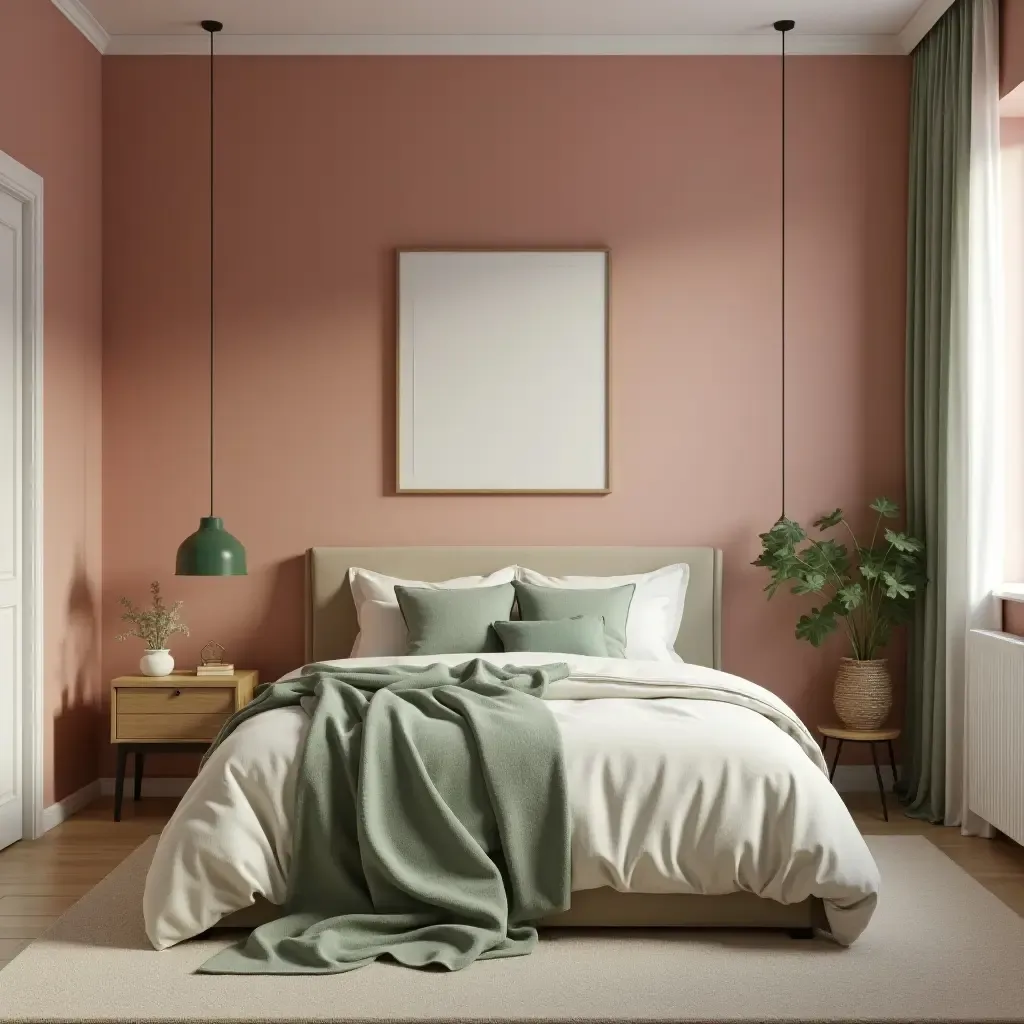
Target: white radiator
{"x": 995, "y": 730}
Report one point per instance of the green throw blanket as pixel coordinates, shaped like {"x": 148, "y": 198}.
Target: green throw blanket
{"x": 431, "y": 819}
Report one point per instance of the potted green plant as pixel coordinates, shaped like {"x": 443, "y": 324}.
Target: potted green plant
{"x": 867, "y": 589}
{"x": 155, "y": 625}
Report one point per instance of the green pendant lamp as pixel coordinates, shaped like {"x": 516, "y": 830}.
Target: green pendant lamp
{"x": 211, "y": 550}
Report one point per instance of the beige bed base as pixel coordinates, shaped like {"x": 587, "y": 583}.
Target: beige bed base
{"x": 331, "y": 629}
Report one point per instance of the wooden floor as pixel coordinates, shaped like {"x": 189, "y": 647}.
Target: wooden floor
{"x": 39, "y": 880}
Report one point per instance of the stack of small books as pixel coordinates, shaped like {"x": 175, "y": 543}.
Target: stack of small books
{"x": 217, "y": 668}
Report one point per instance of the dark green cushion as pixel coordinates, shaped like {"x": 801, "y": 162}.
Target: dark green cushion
{"x": 608, "y": 603}
{"x": 454, "y": 621}
{"x": 582, "y": 634}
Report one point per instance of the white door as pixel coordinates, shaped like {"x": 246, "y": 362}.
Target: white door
{"x": 11, "y": 688}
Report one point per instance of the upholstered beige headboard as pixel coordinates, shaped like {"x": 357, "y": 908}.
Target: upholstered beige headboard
{"x": 331, "y": 615}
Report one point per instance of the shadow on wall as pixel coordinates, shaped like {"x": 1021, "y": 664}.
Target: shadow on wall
{"x": 76, "y": 724}
{"x": 270, "y": 638}
{"x": 280, "y": 638}
{"x": 263, "y": 629}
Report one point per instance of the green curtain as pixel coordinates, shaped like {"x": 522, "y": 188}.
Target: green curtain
{"x": 940, "y": 149}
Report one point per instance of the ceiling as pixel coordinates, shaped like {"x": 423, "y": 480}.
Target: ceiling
{"x": 504, "y": 26}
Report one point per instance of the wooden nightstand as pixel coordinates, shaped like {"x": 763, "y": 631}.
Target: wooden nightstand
{"x": 170, "y": 714}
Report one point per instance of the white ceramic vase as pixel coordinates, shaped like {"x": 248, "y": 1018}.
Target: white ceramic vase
{"x": 157, "y": 663}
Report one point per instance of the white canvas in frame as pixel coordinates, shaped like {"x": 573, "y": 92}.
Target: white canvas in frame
{"x": 503, "y": 371}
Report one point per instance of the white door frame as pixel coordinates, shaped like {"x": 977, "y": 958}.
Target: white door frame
{"x": 27, "y": 188}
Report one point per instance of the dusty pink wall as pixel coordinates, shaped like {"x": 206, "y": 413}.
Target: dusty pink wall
{"x": 1011, "y": 50}
{"x": 1013, "y": 617}
{"x": 327, "y": 164}
{"x": 50, "y": 109}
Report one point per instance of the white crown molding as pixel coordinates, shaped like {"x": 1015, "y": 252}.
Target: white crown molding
{"x": 765, "y": 43}
{"x": 922, "y": 23}
{"x": 81, "y": 17}
{"x": 497, "y": 45}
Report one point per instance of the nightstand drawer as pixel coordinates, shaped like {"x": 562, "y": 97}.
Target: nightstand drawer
{"x": 168, "y": 728}
{"x": 170, "y": 701}
{"x": 170, "y": 714}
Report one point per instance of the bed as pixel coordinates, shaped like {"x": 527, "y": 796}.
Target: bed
{"x": 838, "y": 874}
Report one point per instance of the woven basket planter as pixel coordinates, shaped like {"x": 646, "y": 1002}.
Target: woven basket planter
{"x": 863, "y": 693}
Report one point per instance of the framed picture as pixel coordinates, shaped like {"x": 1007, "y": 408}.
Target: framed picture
{"x": 503, "y": 371}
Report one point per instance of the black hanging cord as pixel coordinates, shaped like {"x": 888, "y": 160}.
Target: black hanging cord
{"x": 782, "y": 27}
{"x": 213, "y": 27}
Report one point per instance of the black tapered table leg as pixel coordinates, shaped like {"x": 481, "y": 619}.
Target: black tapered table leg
{"x": 881, "y": 788}
{"x": 892, "y": 764}
{"x": 835, "y": 760}
{"x": 122, "y": 761}
{"x": 140, "y": 760}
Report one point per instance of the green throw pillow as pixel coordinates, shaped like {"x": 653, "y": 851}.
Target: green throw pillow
{"x": 454, "y": 621}
{"x": 582, "y": 634}
{"x": 609, "y": 603}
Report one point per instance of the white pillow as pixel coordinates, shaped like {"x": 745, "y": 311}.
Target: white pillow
{"x": 654, "y": 613}
{"x": 382, "y": 631}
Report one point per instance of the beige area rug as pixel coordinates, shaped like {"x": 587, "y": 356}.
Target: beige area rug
{"x": 939, "y": 948}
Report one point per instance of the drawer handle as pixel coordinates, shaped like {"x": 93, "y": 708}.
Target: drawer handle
{"x": 177, "y": 693}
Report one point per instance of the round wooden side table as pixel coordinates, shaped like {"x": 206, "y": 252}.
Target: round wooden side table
{"x": 870, "y": 736}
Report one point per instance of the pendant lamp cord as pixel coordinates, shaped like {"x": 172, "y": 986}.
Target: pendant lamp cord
{"x": 211, "y": 272}
{"x": 782, "y": 27}
{"x": 782, "y": 416}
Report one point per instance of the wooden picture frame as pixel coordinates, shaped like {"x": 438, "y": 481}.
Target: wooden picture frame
{"x": 502, "y": 375}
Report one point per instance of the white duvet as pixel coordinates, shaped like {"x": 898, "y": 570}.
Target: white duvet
{"x": 682, "y": 779}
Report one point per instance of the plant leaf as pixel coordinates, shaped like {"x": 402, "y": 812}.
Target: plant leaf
{"x": 781, "y": 575}
{"x": 885, "y": 507}
{"x": 778, "y": 553}
{"x": 912, "y": 560}
{"x": 832, "y": 519}
{"x": 787, "y": 532}
{"x": 826, "y": 555}
{"x": 903, "y": 541}
{"x": 809, "y": 583}
{"x": 815, "y": 627}
{"x": 896, "y": 585}
{"x": 878, "y": 583}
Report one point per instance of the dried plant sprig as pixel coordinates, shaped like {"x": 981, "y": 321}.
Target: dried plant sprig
{"x": 155, "y": 625}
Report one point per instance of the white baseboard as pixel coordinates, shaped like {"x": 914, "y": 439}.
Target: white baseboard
{"x": 850, "y": 778}
{"x": 156, "y": 785}
{"x": 72, "y": 804}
